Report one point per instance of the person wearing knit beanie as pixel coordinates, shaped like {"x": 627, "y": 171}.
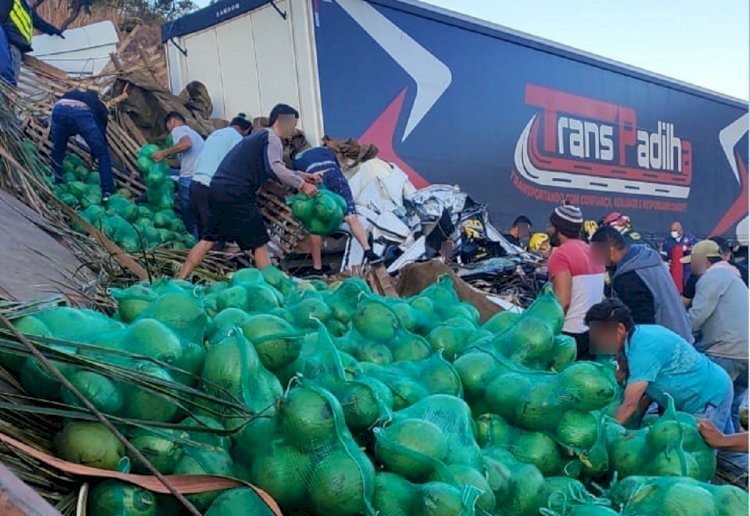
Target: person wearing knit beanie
{"x": 568, "y": 220}
{"x": 578, "y": 282}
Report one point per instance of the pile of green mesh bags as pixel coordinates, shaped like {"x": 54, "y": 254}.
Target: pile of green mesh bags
{"x": 338, "y": 401}
{"x": 132, "y": 226}
{"x": 321, "y": 214}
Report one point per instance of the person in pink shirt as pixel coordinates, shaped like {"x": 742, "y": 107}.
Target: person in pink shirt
{"x": 576, "y": 279}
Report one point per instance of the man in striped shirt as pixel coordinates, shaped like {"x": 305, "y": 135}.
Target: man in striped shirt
{"x": 576, "y": 279}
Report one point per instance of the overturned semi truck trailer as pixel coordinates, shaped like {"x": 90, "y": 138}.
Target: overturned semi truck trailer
{"x": 520, "y": 123}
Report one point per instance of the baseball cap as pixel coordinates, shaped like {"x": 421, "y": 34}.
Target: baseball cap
{"x": 705, "y": 248}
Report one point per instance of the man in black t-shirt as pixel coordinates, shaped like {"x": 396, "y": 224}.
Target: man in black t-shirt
{"x": 233, "y": 213}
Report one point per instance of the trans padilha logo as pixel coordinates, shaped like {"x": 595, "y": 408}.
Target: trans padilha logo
{"x": 587, "y": 144}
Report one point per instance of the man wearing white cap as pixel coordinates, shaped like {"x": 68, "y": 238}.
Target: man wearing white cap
{"x": 720, "y": 311}
{"x": 576, "y": 279}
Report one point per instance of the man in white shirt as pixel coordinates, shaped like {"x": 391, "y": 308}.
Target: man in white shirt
{"x": 215, "y": 149}
{"x": 188, "y": 144}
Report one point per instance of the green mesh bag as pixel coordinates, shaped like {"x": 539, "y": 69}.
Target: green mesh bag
{"x": 517, "y": 486}
{"x": 565, "y": 496}
{"x": 396, "y": 496}
{"x": 529, "y": 447}
{"x": 676, "y": 495}
{"x": 144, "y": 403}
{"x": 411, "y": 381}
{"x": 377, "y": 335}
{"x": 321, "y": 214}
{"x": 161, "y": 446}
{"x": 533, "y": 338}
{"x": 182, "y": 312}
{"x": 563, "y": 405}
{"x": 75, "y": 324}
{"x": 232, "y": 370}
{"x": 116, "y": 498}
{"x": 204, "y": 461}
{"x": 118, "y": 205}
{"x": 277, "y": 342}
{"x": 453, "y": 336}
{"x": 446, "y": 303}
{"x": 340, "y": 479}
{"x": 105, "y": 394}
{"x": 132, "y": 301}
{"x": 670, "y": 446}
{"x": 242, "y": 501}
{"x": 343, "y": 298}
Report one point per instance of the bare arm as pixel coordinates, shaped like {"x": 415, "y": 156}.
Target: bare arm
{"x": 631, "y": 401}
{"x": 562, "y": 284}
{"x": 183, "y": 145}
{"x": 716, "y": 439}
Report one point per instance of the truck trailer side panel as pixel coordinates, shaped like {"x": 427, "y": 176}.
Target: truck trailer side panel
{"x": 522, "y": 125}
{"x": 250, "y": 60}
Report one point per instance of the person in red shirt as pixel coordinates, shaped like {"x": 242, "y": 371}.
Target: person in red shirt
{"x": 576, "y": 279}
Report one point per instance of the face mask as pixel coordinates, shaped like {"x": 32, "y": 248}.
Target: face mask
{"x": 675, "y": 235}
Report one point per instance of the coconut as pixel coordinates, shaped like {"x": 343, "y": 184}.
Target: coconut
{"x": 153, "y": 339}
{"x": 142, "y": 403}
{"x": 207, "y": 422}
{"x": 234, "y": 297}
{"x": 182, "y": 313}
{"x": 115, "y": 498}
{"x": 239, "y": 502}
{"x": 341, "y": 484}
{"x": 204, "y": 461}
{"x": 99, "y": 390}
{"x": 90, "y": 444}
{"x": 281, "y": 471}
{"x": 274, "y": 339}
{"x": 411, "y": 448}
{"x": 306, "y": 417}
{"x": 132, "y": 301}
{"x": 28, "y": 325}
{"x": 159, "y": 446}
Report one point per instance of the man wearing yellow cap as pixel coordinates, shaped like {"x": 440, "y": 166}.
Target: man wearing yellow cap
{"x": 720, "y": 311}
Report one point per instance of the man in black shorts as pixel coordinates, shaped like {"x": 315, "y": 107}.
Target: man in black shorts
{"x": 233, "y": 213}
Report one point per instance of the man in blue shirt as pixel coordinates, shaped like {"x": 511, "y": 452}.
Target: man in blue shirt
{"x": 657, "y": 363}
{"x": 329, "y": 162}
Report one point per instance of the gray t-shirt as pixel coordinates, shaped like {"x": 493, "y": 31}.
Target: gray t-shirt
{"x": 189, "y": 159}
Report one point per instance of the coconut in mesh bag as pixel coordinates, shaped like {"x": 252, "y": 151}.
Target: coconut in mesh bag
{"x": 344, "y": 299}
{"x": 534, "y": 448}
{"x": 377, "y": 335}
{"x": 670, "y": 446}
{"x": 233, "y": 371}
{"x": 676, "y": 495}
{"x": 365, "y": 400}
{"x": 446, "y": 303}
{"x": 433, "y": 440}
{"x": 520, "y": 488}
{"x": 396, "y": 496}
{"x": 564, "y": 405}
{"x": 411, "y": 381}
{"x": 533, "y": 339}
{"x": 314, "y": 463}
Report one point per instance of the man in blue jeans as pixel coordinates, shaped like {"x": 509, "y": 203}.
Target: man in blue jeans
{"x": 82, "y": 113}
{"x": 188, "y": 144}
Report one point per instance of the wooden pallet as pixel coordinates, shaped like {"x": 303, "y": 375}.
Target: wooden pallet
{"x": 284, "y": 230}
{"x": 380, "y": 281}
